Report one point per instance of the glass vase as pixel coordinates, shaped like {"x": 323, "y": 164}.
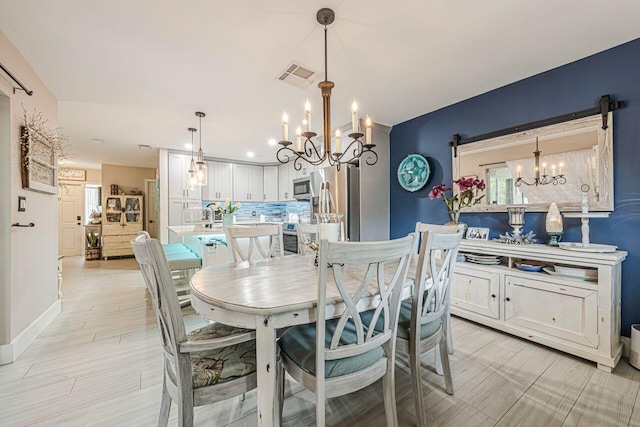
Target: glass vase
{"x": 455, "y": 220}
{"x": 227, "y": 220}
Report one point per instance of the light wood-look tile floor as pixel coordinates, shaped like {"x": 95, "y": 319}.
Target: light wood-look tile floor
{"x": 99, "y": 363}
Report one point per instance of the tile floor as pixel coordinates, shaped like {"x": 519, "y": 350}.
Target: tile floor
{"x": 99, "y": 363}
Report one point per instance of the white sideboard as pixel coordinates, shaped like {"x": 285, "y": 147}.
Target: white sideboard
{"x": 574, "y": 316}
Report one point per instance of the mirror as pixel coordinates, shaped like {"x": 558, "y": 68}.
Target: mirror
{"x": 580, "y": 150}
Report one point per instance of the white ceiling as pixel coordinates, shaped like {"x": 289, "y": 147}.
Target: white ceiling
{"x": 134, "y": 72}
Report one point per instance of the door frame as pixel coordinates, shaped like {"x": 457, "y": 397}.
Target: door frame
{"x": 147, "y": 204}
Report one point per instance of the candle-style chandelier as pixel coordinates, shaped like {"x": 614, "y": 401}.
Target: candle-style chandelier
{"x": 546, "y": 179}
{"x": 315, "y": 153}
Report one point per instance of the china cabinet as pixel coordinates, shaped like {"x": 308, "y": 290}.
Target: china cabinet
{"x": 121, "y": 222}
{"x": 580, "y": 317}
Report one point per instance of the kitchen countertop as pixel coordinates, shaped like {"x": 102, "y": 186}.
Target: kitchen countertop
{"x": 189, "y": 230}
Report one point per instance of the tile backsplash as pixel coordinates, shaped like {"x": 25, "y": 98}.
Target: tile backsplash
{"x": 273, "y": 211}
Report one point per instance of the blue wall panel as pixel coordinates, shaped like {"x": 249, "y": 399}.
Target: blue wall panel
{"x": 573, "y": 87}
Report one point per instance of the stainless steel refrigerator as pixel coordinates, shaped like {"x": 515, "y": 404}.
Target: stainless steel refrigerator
{"x": 344, "y": 188}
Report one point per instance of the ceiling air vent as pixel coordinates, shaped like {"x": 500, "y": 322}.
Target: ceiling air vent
{"x": 144, "y": 147}
{"x": 297, "y": 75}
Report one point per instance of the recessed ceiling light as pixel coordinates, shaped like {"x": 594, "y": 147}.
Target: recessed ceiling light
{"x": 250, "y": 154}
{"x": 272, "y": 141}
{"x": 188, "y": 146}
{"x": 97, "y": 140}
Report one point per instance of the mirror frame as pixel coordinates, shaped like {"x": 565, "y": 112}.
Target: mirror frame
{"x": 605, "y": 165}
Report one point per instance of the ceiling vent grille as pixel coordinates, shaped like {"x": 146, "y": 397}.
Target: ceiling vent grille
{"x": 297, "y": 75}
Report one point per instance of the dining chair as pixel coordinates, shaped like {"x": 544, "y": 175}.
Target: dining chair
{"x": 306, "y": 233}
{"x": 341, "y": 355}
{"x": 205, "y": 366}
{"x": 423, "y": 321}
{"x": 238, "y": 235}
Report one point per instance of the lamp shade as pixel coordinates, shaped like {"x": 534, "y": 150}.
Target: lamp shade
{"x": 553, "y": 223}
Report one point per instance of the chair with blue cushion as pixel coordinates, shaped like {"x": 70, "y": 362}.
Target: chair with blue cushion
{"x": 423, "y": 321}
{"x": 208, "y": 365}
{"x": 341, "y": 355}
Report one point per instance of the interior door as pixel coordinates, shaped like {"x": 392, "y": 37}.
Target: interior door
{"x": 151, "y": 211}
{"x": 70, "y": 221}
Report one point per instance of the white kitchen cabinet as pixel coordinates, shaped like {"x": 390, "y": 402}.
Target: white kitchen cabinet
{"x": 248, "y": 183}
{"x": 286, "y": 175}
{"x": 578, "y": 317}
{"x": 271, "y": 183}
{"x": 176, "y": 215}
{"x": 178, "y": 183}
{"x": 220, "y": 181}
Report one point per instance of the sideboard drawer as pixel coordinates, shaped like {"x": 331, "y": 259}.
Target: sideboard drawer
{"x": 478, "y": 292}
{"x": 557, "y": 310}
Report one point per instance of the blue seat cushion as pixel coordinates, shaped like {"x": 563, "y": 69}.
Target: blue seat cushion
{"x": 175, "y": 248}
{"x": 298, "y": 343}
{"x": 222, "y": 364}
{"x": 182, "y": 261}
{"x": 404, "y": 322}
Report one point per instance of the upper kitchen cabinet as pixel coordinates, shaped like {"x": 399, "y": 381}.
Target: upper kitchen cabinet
{"x": 286, "y": 175}
{"x": 271, "y": 183}
{"x": 248, "y": 183}
{"x": 178, "y": 185}
{"x": 220, "y": 185}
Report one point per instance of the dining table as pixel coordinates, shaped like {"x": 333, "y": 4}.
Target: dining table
{"x": 268, "y": 295}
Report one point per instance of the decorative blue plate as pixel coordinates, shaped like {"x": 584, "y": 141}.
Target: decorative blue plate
{"x": 529, "y": 267}
{"x": 413, "y": 172}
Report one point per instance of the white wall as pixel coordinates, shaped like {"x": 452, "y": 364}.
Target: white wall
{"x": 32, "y": 261}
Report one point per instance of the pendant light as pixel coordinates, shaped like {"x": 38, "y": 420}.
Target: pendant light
{"x": 192, "y": 179}
{"x": 201, "y": 166}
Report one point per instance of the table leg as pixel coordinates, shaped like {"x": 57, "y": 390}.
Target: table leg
{"x": 266, "y": 373}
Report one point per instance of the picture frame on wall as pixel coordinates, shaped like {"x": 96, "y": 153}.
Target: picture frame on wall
{"x": 67, "y": 174}
{"x": 39, "y": 163}
{"x": 478, "y": 233}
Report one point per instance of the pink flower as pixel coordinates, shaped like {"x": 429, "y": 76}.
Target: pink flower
{"x": 464, "y": 184}
{"x": 437, "y": 191}
{"x": 480, "y": 184}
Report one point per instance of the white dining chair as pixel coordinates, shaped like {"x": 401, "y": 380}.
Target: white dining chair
{"x": 242, "y": 240}
{"x": 422, "y": 323}
{"x": 341, "y": 355}
{"x": 420, "y": 231}
{"x": 306, "y": 233}
{"x": 205, "y": 366}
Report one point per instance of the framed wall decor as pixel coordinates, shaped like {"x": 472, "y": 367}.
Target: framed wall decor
{"x": 67, "y": 174}
{"x": 39, "y": 162}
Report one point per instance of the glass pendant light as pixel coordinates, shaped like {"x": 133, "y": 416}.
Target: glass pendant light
{"x": 192, "y": 179}
{"x": 201, "y": 165}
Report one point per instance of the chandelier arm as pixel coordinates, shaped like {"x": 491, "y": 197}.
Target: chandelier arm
{"x": 369, "y": 155}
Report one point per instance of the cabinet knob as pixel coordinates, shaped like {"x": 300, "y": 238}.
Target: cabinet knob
{"x": 508, "y": 299}
{"x": 493, "y": 295}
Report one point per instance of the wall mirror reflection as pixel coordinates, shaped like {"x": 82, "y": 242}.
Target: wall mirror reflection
{"x": 572, "y": 153}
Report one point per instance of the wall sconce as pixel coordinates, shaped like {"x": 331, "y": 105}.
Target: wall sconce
{"x": 516, "y": 218}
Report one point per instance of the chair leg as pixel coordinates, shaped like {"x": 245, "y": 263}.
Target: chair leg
{"x": 280, "y": 378}
{"x": 446, "y": 367}
{"x": 389, "y": 393}
{"x": 165, "y": 405}
{"x": 185, "y": 392}
{"x": 438, "y": 360}
{"x": 449, "y": 334}
{"x": 416, "y": 379}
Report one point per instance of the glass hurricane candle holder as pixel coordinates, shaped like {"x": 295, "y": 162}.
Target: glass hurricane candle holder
{"x": 516, "y": 218}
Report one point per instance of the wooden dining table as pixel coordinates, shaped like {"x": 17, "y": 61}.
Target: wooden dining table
{"x": 268, "y": 295}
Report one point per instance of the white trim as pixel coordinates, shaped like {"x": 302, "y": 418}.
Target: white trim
{"x": 9, "y": 353}
{"x": 626, "y": 342}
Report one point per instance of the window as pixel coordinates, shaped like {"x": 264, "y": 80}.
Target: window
{"x": 92, "y": 200}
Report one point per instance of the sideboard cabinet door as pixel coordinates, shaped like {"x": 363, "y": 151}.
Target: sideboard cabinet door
{"x": 477, "y": 292}
{"x": 561, "y": 311}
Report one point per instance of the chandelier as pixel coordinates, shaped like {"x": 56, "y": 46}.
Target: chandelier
{"x": 546, "y": 179}
{"x": 315, "y": 153}
{"x": 201, "y": 165}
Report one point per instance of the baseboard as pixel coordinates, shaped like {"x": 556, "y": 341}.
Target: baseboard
{"x": 9, "y": 353}
{"x": 626, "y": 346}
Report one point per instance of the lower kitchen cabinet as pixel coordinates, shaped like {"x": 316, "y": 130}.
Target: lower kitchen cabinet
{"x": 575, "y": 316}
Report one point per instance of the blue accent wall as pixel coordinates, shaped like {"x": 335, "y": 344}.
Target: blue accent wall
{"x": 572, "y": 87}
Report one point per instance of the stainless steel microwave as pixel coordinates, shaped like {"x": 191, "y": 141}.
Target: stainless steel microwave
{"x": 302, "y": 188}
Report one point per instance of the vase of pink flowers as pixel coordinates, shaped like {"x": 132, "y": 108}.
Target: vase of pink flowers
{"x": 469, "y": 195}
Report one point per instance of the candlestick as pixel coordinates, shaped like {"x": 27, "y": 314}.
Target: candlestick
{"x": 560, "y": 171}
{"x": 354, "y": 117}
{"x": 307, "y": 115}
{"x": 368, "y": 131}
{"x": 519, "y": 171}
{"x": 298, "y": 139}
{"x": 544, "y": 169}
{"x": 338, "y": 148}
{"x": 585, "y": 202}
{"x": 285, "y": 126}
{"x": 553, "y": 170}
